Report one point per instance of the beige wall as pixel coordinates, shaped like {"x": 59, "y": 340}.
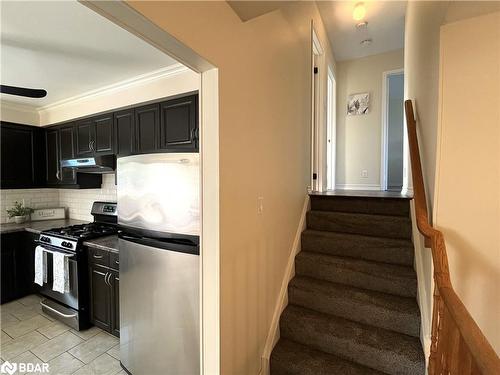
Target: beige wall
{"x": 467, "y": 201}
{"x": 359, "y": 137}
{"x": 264, "y": 91}
{"x": 422, "y": 28}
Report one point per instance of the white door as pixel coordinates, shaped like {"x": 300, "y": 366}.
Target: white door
{"x": 331, "y": 136}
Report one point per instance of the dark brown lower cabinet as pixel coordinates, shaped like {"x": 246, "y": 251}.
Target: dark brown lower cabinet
{"x": 17, "y": 265}
{"x": 104, "y": 297}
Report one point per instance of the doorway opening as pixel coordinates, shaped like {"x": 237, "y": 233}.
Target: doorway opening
{"x": 392, "y": 176}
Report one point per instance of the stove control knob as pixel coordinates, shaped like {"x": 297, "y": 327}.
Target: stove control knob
{"x": 68, "y": 245}
{"x": 45, "y": 239}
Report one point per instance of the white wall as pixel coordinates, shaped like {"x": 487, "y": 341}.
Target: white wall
{"x": 359, "y": 137}
{"x": 422, "y": 28}
{"x": 34, "y": 198}
{"x": 467, "y": 195}
{"x": 79, "y": 202}
{"x": 19, "y": 114}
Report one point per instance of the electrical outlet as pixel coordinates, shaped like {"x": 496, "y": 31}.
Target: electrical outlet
{"x": 260, "y": 205}
{"x": 364, "y": 173}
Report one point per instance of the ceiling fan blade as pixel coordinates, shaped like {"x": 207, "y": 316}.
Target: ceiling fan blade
{"x": 22, "y": 91}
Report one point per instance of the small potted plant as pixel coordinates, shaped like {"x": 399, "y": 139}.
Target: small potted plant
{"x": 19, "y": 212}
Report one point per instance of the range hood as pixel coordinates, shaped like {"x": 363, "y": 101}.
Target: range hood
{"x": 95, "y": 164}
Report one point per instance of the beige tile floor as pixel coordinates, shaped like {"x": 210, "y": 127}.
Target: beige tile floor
{"x": 30, "y": 336}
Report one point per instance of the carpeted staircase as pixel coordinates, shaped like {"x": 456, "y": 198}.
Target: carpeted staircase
{"x": 352, "y": 304}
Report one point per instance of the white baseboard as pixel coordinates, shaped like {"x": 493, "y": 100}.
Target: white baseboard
{"x": 274, "y": 334}
{"x": 357, "y": 187}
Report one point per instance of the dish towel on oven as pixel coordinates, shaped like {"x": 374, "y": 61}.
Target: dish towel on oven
{"x": 40, "y": 266}
{"x": 61, "y": 272}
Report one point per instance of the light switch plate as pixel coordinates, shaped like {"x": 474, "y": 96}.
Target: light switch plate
{"x": 48, "y": 214}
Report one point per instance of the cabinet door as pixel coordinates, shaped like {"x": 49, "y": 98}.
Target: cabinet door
{"x": 103, "y": 138}
{"x": 179, "y": 124}
{"x": 52, "y": 156}
{"x": 17, "y": 165}
{"x": 124, "y": 132}
{"x": 84, "y": 138}
{"x": 147, "y": 120}
{"x": 115, "y": 282}
{"x": 67, "y": 151}
{"x": 7, "y": 268}
{"x": 100, "y": 297}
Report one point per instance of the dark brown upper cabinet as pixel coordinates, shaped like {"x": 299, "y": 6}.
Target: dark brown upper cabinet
{"x": 179, "y": 124}
{"x": 94, "y": 136}
{"x": 147, "y": 122}
{"x": 52, "y": 157}
{"x": 61, "y": 144}
{"x": 124, "y": 132}
{"x": 21, "y": 165}
{"x": 84, "y": 137}
{"x": 104, "y": 134}
{"x": 67, "y": 151}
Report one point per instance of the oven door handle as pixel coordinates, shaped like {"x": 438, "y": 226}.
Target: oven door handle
{"x": 58, "y": 312}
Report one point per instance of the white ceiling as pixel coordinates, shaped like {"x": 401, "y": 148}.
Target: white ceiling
{"x": 386, "y": 20}
{"x": 69, "y": 50}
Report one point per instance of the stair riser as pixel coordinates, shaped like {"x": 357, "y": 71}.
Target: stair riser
{"x": 304, "y": 331}
{"x": 362, "y": 249}
{"x": 356, "y": 311}
{"x": 381, "y": 226}
{"x": 338, "y": 274}
{"x": 375, "y": 206}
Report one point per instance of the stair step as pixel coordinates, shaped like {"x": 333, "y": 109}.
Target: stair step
{"x": 367, "y": 205}
{"x": 383, "y": 350}
{"x": 399, "y": 314}
{"x": 381, "y": 277}
{"x": 291, "y": 358}
{"x": 387, "y": 250}
{"x": 370, "y": 225}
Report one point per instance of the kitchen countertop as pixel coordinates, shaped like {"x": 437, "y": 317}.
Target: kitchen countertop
{"x": 109, "y": 243}
{"x": 38, "y": 226}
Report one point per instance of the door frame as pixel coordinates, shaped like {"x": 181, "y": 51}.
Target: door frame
{"x": 384, "y": 168}
{"x": 122, "y": 14}
{"x": 331, "y": 130}
{"x": 317, "y": 162}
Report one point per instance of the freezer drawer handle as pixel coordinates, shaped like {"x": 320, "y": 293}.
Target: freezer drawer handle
{"x": 58, "y": 312}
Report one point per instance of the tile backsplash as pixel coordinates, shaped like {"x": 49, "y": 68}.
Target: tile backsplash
{"x": 78, "y": 203}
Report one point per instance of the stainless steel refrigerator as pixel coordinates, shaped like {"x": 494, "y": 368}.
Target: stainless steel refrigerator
{"x": 159, "y": 220}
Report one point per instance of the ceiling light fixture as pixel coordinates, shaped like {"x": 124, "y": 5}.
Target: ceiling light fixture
{"x": 366, "y": 42}
{"x": 359, "y": 12}
{"x": 362, "y": 25}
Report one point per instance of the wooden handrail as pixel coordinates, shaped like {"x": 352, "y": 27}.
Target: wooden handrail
{"x": 457, "y": 343}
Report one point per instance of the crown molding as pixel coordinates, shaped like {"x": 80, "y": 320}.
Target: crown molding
{"x": 116, "y": 87}
{"x": 18, "y": 107}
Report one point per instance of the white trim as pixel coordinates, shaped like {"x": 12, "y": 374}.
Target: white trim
{"x": 127, "y": 84}
{"x": 357, "y": 187}
{"x": 125, "y": 16}
{"x": 317, "y": 161}
{"x": 20, "y": 113}
{"x": 274, "y": 334}
{"x": 331, "y": 123}
{"x": 385, "y": 129}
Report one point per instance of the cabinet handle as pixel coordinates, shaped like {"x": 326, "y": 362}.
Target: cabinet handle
{"x": 106, "y": 278}
{"x": 98, "y": 256}
{"x": 58, "y": 175}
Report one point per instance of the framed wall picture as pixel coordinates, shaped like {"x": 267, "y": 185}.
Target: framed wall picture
{"x": 358, "y": 104}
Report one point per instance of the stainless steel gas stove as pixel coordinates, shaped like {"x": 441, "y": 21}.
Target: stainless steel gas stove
{"x": 73, "y": 308}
